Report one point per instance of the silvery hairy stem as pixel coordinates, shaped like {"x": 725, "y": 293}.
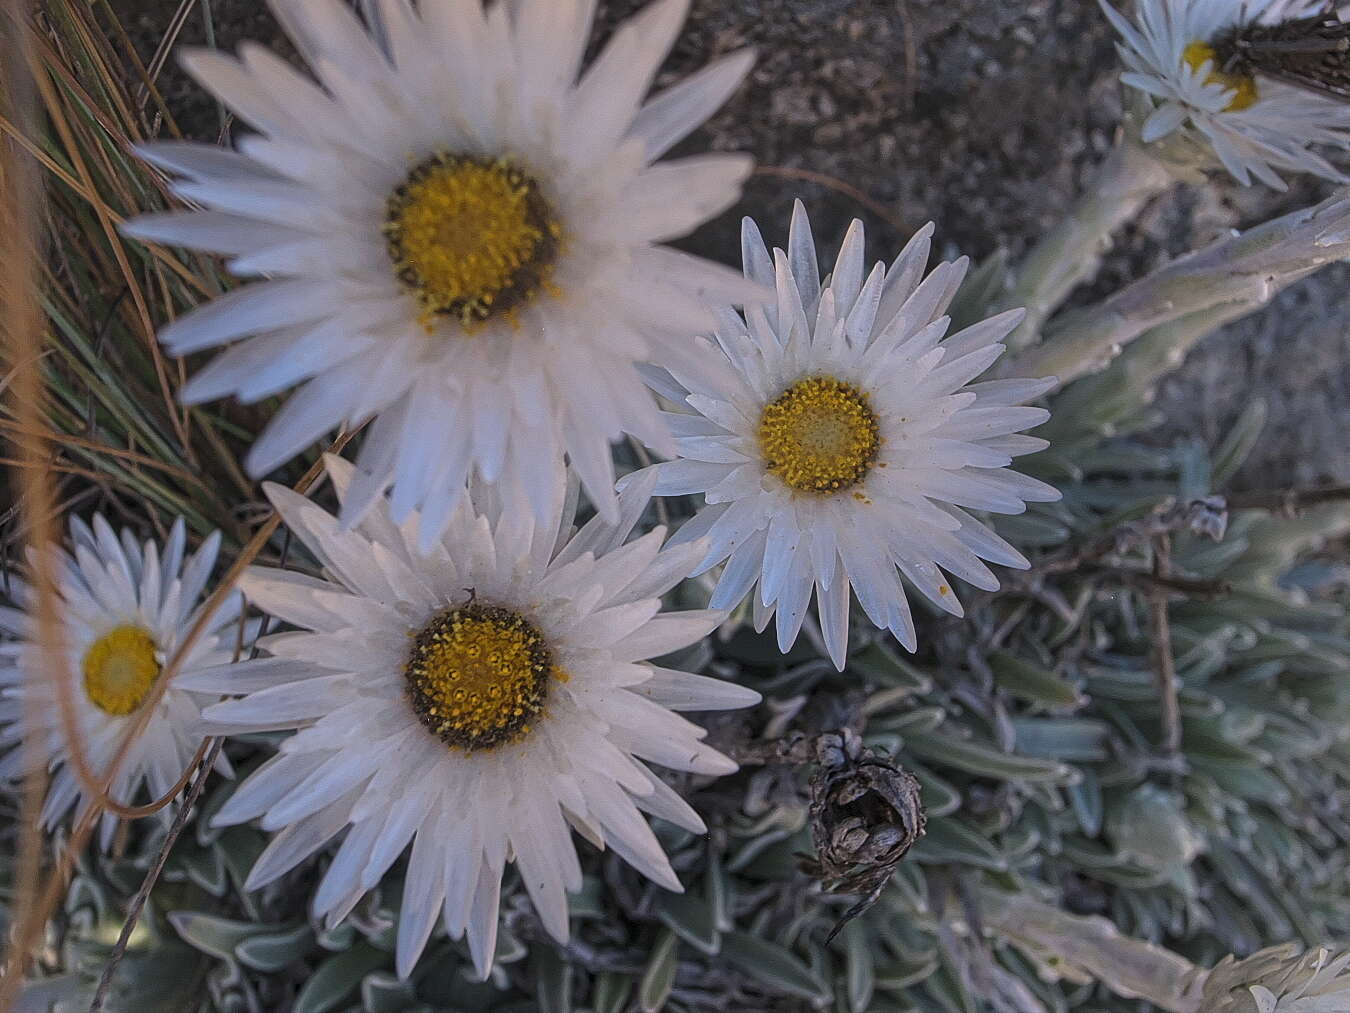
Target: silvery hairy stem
{"x": 1096, "y": 404}
{"x": 1240, "y": 273}
{"x": 1093, "y": 947}
{"x": 1071, "y": 253}
{"x": 1279, "y": 979}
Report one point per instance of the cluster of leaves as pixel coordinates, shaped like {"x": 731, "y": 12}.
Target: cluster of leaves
{"x": 1033, "y": 727}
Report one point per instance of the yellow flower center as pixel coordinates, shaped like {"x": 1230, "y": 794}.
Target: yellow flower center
{"x": 478, "y": 676}
{"x": 820, "y": 435}
{"x": 1198, "y": 53}
{"x": 119, "y": 669}
{"x": 470, "y": 238}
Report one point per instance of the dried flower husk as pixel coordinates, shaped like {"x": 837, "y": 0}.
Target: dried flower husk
{"x": 866, "y": 813}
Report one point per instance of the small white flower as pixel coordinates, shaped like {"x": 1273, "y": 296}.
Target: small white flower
{"x": 479, "y": 702}
{"x": 1255, "y": 125}
{"x": 123, "y": 611}
{"x": 845, "y": 439}
{"x": 461, "y": 238}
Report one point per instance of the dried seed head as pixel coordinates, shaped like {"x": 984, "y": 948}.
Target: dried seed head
{"x": 866, "y": 813}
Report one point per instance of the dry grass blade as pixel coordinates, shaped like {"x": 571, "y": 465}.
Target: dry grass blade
{"x": 108, "y": 224}
{"x": 113, "y": 396}
{"x": 20, "y": 217}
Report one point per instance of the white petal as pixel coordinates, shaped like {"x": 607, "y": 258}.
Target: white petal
{"x": 684, "y": 691}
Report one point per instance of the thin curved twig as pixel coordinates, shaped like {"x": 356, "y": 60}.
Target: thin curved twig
{"x": 1289, "y": 502}
{"x": 136, "y": 812}
{"x": 179, "y": 821}
{"x": 911, "y": 50}
{"x": 838, "y": 185}
{"x": 207, "y": 759}
{"x": 21, "y": 200}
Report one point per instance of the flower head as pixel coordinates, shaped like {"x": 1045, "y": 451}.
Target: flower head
{"x": 461, "y": 237}
{"x": 123, "y": 609}
{"x": 1178, "y": 53}
{"x": 845, "y": 441}
{"x": 478, "y": 702}
{"x": 1279, "y": 979}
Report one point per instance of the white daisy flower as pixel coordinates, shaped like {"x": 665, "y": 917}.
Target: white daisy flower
{"x": 124, "y": 610}
{"x": 478, "y": 702}
{"x": 461, "y": 238}
{"x": 846, "y": 442}
{"x": 1182, "y": 54}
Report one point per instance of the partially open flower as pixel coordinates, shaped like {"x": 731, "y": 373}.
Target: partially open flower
{"x": 1183, "y": 55}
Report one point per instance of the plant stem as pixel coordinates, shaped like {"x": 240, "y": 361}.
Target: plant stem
{"x": 1072, "y": 252}
{"x": 1095, "y": 404}
{"x": 1164, "y": 665}
{"x": 1240, "y": 273}
{"x": 1093, "y": 947}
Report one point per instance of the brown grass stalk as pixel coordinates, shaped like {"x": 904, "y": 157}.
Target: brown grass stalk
{"x": 108, "y": 221}
{"x": 97, "y": 447}
{"x": 20, "y": 217}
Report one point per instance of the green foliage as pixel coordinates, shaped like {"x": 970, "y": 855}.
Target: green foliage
{"x": 1032, "y": 727}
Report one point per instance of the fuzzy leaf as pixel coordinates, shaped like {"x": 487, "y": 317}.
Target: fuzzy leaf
{"x": 949, "y": 841}
{"x": 1032, "y": 682}
{"x": 271, "y": 951}
{"x": 337, "y": 978}
{"x": 552, "y": 981}
{"x": 659, "y": 977}
{"x": 692, "y": 918}
{"x": 987, "y": 761}
{"x": 1239, "y": 443}
{"x": 859, "y": 967}
{"x": 211, "y": 934}
{"x": 940, "y": 797}
{"x": 773, "y": 965}
{"x": 611, "y": 992}
{"x": 382, "y": 992}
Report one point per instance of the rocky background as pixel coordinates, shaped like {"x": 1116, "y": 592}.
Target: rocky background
{"x": 984, "y": 116}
